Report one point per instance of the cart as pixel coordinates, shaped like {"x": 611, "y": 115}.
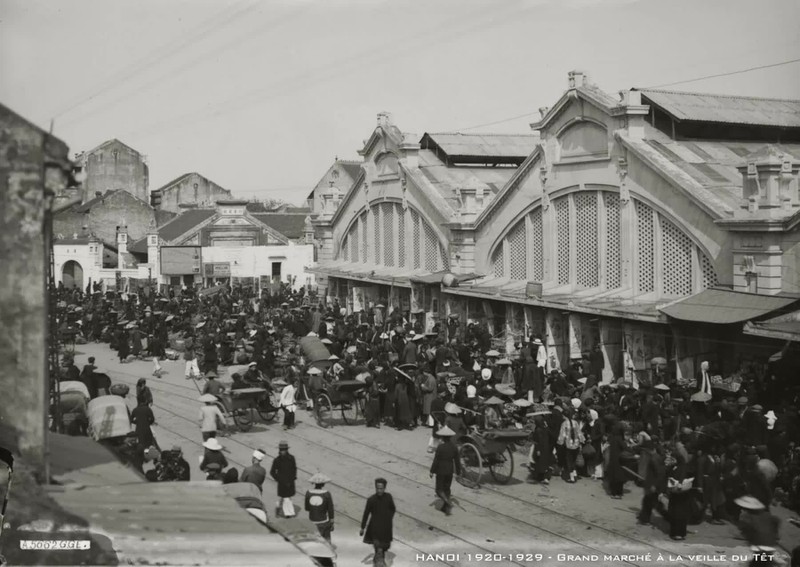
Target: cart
{"x": 492, "y": 448}
{"x": 239, "y": 405}
{"x": 108, "y": 418}
{"x": 346, "y": 395}
{"x": 72, "y": 407}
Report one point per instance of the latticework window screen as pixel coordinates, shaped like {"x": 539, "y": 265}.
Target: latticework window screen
{"x": 709, "y": 275}
{"x": 645, "y": 238}
{"x": 431, "y": 249}
{"x": 445, "y": 263}
{"x": 587, "y": 266}
{"x": 562, "y": 238}
{"x": 498, "y": 260}
{"x": 613, "y": 267}
{"x": 353, "y": 237}
{"x": 676, "y": 260}
{"x": 537, "y": 243}
{"x": 416, "y": 249}
{"x": 364, "y": 249}
{"x": 388, "y": 234}
{"x": 401, "y": 239}
{"x": 376, "y": 223}
{"x": 517, "y": 252}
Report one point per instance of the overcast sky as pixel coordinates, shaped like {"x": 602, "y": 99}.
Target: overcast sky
{"x": 260, "y": 97}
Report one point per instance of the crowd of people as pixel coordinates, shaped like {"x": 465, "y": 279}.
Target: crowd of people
{"x": 696, "y": 451}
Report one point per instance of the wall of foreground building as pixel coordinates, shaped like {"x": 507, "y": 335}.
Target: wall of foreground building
{"x": 30, "y": 161}
{"x": 255, "y": 261}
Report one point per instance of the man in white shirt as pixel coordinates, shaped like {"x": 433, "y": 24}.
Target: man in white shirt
{"x": 288, "y": 403}
{"x": 209, "y": 414}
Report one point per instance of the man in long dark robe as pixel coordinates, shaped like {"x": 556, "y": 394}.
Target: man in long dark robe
{"x": 284, "y": 472}
{"x": 377, "y": 521}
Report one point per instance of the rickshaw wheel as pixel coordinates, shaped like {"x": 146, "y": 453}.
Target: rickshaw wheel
{"x": 243, "y": 419}
{"x": 322, "y": 410}
{"x": 501, "y": 465}
{"x": 350, "y": 411}
{"x": 471, "y": 465}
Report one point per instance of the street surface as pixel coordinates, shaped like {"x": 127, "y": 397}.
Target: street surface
{"x": 493, "y": 525}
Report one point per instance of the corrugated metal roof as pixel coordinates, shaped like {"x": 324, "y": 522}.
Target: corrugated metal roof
{"x": 726, "y": 109}
{"x": 721, "y": 306}
{"x": 483, "y": 145}
{"x": 177, "y": 523}
{"x": 712, "y": 164}
{"x": 446, "y": 179}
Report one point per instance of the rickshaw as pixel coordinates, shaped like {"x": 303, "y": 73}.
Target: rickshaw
{"x": 108, "y": 418}
{"x": 493, "y": 448}
{"x": 72, "y": 407}
{"x": 345, "y": 395}
{"x": 239, "y": 404}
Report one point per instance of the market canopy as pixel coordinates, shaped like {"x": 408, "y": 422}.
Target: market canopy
{"x": 722, "y": 306}
{"x": 436, "y": 277}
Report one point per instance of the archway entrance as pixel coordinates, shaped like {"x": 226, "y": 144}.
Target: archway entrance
{"x": 72, "y": 275}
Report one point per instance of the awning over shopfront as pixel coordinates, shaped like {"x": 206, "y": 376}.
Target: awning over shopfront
{"x": 177, "y": 523}
{"x": 84, "y": 461}
{"x": 436, "y": 277}
{"x": 368, "y": 273}
{"x": 722, "y": 306}
{"x": 505, "y": 289}
{"x": 784, "y": 327}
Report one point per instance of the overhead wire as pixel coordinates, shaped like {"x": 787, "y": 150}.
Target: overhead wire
{"x": 160, "y": 54}
{"x": 327, "y": 70}
{"x": 215, "y": 51}
{"x": 728, "y": 74}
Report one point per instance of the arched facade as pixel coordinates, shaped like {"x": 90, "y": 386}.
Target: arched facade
{"x": 584, "y": 237}
{"x": 72, "y": 275}
{"x": 391, "y": 235}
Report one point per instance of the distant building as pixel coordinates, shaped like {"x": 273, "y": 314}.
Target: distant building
{"x": 342, "y": 173}
{"x": 188, "y": 189}
{"x": 111, "y": 166}
{"x": 228, "y": 244}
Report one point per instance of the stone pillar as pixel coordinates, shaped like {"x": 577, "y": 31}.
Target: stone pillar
{"x": 122, "y": 246}
{"x": 153, "y": 256}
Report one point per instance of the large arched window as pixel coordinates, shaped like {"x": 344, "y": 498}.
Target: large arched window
{"x": 398, "y": 238}
{"x": 586, "y": 248}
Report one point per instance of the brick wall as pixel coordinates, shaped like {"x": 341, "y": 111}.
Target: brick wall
{"x": 24, "y": 149}
{"x": 116, "y": 166}
{"x": 104, "y": 217}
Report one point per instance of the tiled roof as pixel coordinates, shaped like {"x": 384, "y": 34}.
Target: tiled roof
{"x": 163, "y": 217}
{"x": 445, "y": 179}
{"x": 78, "y": 241}
{"x": 87, "y": 206}
{"x": 177, "y": 180}
{"x": 288, "y": 224}
{"x": 517, "y": 146}
{"x": 726, "y": 109}
{"x": 184, "y": 222}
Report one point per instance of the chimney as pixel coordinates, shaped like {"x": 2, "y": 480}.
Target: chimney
{"x": 384, "y": 119}
{"x": 308, "y": 231}
{"x": 122, "y": 245}
{"x": 576, "y": 79}
{"x": 543, "y": 111}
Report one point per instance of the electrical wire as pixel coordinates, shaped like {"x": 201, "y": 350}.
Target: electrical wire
{"x": 728, "y": 74}
{"x": 160, "y": 54}
{"x": 495, "y": 122}
{"x": 331, "y": 69}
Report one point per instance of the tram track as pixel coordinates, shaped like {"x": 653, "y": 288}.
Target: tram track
{"x": 516, "y": 519}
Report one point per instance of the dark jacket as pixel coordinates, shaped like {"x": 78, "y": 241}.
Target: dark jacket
{"x": 378, "y": 519}
{"x": 254, "y": 474}
{"x": 284, "y": 472}
{"x": 446, "y": 461}
{"x": 319, "y": 505}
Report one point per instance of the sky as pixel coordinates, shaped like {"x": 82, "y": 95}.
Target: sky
{"x": 262, "y": 96}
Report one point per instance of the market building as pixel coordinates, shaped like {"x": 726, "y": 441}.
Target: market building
{"x": 655, "y": 225}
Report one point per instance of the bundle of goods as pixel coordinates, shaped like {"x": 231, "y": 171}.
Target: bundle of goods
{"x": 729, "y": 384}
{"x": 121, "y": 390}
{"x": 172, "y": 354}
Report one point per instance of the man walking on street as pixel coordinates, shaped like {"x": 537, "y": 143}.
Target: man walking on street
{"x": 255, "y": 473}
{"x": 445, "y": 463}
{"x": 319, "y": 505}
{"x": 376, "y": 523}
{"x": 284, "y": 472}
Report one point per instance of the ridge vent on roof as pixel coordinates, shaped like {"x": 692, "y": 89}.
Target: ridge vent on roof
{"x": 738, "y": 97}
